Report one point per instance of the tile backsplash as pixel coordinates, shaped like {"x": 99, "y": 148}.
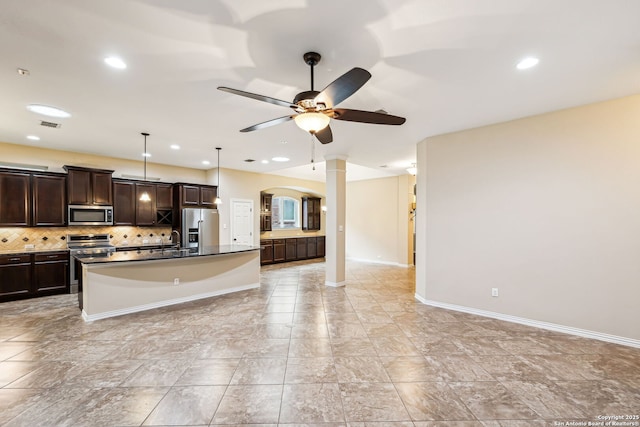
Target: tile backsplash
{"x": 44, "y": 238}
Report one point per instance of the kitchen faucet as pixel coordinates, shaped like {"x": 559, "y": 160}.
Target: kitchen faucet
{"x": 178, "y": 239}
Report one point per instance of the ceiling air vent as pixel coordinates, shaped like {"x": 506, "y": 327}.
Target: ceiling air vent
{"x": 49, "y": 124}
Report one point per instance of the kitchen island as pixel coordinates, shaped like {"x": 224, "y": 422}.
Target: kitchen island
{"x": 132, "y": 281}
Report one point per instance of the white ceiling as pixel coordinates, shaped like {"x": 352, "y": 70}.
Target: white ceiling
{"x": 444, "y": 65}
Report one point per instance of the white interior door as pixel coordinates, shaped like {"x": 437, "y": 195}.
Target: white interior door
{"x": 241, "y": 222}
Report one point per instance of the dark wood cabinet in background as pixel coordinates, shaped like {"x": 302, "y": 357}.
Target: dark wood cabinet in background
{"x": 291, "y": 252}
{"x": 194, "y": 196}
{"x": 265, "y": 211}
{"x": 32, "y": 199}
{"x": 291, "y": 249}
{"x": 124, "y": 202}
{"x": 128, "y": 209}
{"x": 15, "y": 199}
{"x": 279, "y": 253}
{"x": 49, "y": 200}
{"x": 15, "y": 277}
{"x": 266, "y": 251}
{"x": 311, "y": 210}
{"x": 87, "y": 186}
{"x": 146, "y": 211}
{"x": 33, "y": 275}
{"x": 51, "y": 273}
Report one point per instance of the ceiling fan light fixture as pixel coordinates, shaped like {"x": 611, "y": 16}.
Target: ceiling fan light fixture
{"x": 312, "y": 122}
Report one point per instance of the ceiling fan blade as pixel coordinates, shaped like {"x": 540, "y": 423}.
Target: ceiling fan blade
{"x": 367, "y": 117}
{"x": 325, "y": 135}
{"x": 258, "y": 97}
{"x": 343, "y": 87}
{"x": 267, "y": 124}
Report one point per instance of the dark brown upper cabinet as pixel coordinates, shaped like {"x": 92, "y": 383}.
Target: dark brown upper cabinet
{"x": 15, "y": 199}
{"x": 124, "y": 202}
{"x": 311, "y": 213}
{"x": 194, "y": 196}
{"x": 49, "y": 200}
{"x": 146, "y": 211}
{"x": 87, "y": 186}
{"x": 265, "y": 211}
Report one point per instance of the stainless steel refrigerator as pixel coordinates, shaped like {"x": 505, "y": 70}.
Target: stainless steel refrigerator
{"x": 200, "y": 228}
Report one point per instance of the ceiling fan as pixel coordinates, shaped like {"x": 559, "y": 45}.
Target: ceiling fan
{"x": 314, "y": 110}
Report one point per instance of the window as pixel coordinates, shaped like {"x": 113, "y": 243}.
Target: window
{"x": 285, "y": 212}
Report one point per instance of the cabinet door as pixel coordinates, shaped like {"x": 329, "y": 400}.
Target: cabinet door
{"x": 190, "y": 195}
{"x": 208, "y": 196}
{"x": 79, "y": 187}
{"x": 301, "y": 248}
{"x": 320, "y": 247}
{"x": 124, "y": 203}
{"x": 311, "y": 213}
{"x": 164, "y": 196}
{"x": 15, "y": 277}
{"x": 15, "y": 199}
{"x": 49, "y": 201}
{"x": 51, "y": 273}
{"x": 101, "y": 186}
{"x": 266, "y": 252}
{"x": 279, "y": 250}
{"x": 312, "y": 250}
{"x": 291, "y": 253}
{"x": 145, "y": 211}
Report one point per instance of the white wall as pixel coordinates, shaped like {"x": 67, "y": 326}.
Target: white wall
{"x": 378, "y": 226}
{"x": 546, "y": 208}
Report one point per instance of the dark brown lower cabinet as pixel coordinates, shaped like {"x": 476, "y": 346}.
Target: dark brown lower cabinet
{"x": 312, "y": 251}
{"x": 291, "y": 249}
{"x": 279, "y": 251}
{"x": 15, "y": 277}
{"x": 33, "y": 275}
{"x": 51, "y": 273}
{"x": 266, "y": 252}
{"x": 291, "y": 252}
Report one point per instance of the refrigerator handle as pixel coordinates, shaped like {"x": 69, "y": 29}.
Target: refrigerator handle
{"x": 200, "y": 233}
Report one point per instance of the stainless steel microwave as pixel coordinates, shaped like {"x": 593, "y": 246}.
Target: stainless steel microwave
{"x": 90, "y": 215}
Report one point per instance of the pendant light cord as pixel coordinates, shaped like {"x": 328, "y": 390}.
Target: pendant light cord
{"x": 145, "y": 134}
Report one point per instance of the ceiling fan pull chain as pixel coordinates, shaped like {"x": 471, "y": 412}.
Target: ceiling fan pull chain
{"x": 313, "y": 152}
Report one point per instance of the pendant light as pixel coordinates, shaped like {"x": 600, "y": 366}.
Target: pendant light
{"x": 144, "y": 197}
{"x": 218, "y": 200}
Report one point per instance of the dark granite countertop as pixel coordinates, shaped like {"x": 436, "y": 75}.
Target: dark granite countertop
{"x": 31, "y": 251}
{"x": 159, "y": 254}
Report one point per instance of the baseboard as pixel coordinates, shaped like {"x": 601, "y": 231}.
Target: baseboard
{"x": 370, "y": 261}
{"x": 90, "y": 318}
{"x": 535, "y": 323}
{"x": 334, "y": 284}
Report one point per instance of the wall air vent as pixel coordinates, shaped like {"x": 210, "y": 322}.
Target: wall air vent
{"x": 49, "y": 124}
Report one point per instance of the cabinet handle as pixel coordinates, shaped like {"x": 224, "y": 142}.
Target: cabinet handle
{"x": 52, "y": 256}
{"x": 14, "y": 259}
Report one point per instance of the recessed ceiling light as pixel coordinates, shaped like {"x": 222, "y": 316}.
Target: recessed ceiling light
{"x": 264, "y": 162}
{"x": 280, "y": 159}
{"x": 33, "y": 137}
{"x": 146, "y": 154}
{"x": 115, "y": 62}
{"x": 45, "y": 110}
{"x": 527, "y": 62}
{"x": 175, "y": 147}
{"x": 206, "y": 162}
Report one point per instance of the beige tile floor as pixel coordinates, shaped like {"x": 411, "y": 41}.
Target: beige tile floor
{"x": 297, "y": 352}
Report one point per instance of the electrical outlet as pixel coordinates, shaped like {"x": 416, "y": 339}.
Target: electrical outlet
{"x": 32, "y": 246}
{"x": 176, "y": 281}
{"x": 145, "y": 241}
{"x": 494, "y": 292}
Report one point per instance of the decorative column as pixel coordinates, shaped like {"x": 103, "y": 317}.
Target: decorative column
{"x": 336, "y": 188}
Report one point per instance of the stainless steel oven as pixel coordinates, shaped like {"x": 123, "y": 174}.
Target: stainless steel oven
{"x": 95, "y": 245}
